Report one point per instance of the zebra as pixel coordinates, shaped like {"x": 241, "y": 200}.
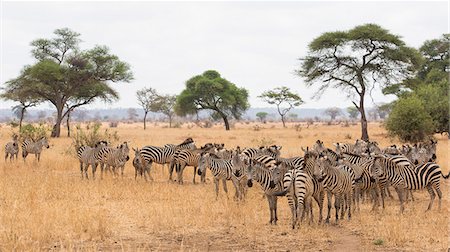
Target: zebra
{"x": 12, "y": 148}
{"x": 359, "y": 147}
{"x": 240, "y": 163}
{"x": 408, "y": 177}
{"x": 298, "y": 187}
{"x": 336, "y": 182}
{"x": 222, "y": 169}
{"x": 391, "y": 150}
{"x": 34, "y": 147}
{"x": 185, "y": 157}
{"x": 164, "y": 155}
{"x": 114, "y": 157}
{"x": 270, "y": 181}
{"x": 422, "y": 153}
{"x": 89, "y": 156}
{"x": 141, "y": 166}
{"x": 273, "y": 150}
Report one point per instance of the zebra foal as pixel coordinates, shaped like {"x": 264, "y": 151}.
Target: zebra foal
{"x": 12, "y": 148}
{"x": 34, "y": 147}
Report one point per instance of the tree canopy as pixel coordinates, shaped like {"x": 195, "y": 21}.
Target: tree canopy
{"x": 209, "y": 91}
{"x": 356, "y": 61}
{"x": 68, "y": 77}
{"x": 283, "y": 98}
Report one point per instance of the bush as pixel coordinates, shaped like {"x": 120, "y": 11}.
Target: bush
{"x": 91, "y": 135}
{"x": 113, "y": 124}
{"x": 409, "y": 121}
{"x": 34, "y": 132}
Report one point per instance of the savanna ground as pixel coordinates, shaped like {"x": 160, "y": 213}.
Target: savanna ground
{"x": 46, "y": 206}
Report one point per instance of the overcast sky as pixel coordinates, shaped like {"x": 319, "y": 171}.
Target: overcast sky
{"x": 255, "y": 45}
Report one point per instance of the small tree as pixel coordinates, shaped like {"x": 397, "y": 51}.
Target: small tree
{"x": 210, "y": 91}
{"x": 293, "y": 116}
{"x": 384, "y": 110}
{"x": 282, "y": 97}
{"x": 148, "y": 99}
{"x": 353, "y": 113}
{"x": 165, "y": 104}
{"x": 262, "y": 116}
{"x": 409, "y": 120}
{"x": 333, "y": 112}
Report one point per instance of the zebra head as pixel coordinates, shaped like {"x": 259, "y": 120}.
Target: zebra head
{"x": 319, "y": 146}
{"x": 321, "y": 168}
{"x": 124, "y": 150}
{"x": 202, "y": 163}
{"x": 44, "y": 142}
{"x": 376, "y": 170}
{"x": 250, "y": 170}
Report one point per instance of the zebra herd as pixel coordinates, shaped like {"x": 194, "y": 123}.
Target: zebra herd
{"x": 347, "y": 173}
{"x": 29, "y": 146}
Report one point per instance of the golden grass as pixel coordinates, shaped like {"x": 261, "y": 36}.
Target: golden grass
{"x": 47, "y": 206}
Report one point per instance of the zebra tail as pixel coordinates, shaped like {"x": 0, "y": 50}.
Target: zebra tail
{"x": 445, "y": 177}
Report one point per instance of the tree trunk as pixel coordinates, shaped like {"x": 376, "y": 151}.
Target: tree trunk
{"x": 145, "y": 118}
{"x": 282, "y": 120}
{"x": 364, "y": 133}
{"x": 68, "y": 123}
{"x": 56, "y": 131}
{"x": 170, "y": 121}
{"x": 225, "y": 120}
{"x": 22, "y": 115}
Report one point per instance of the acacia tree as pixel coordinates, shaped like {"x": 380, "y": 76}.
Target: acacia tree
{"x": 148, "y": 99}
{"x": 352, "y": 112}
{"x": 284, "y": 99}
{"x": 165, "y": 104}
{"x": 357, "y": 60}
{"x": 262, "y": 115}
{"x": 68, "y": 77}
{"x": 333, "y": 112}
{"x": 210, "y": 91}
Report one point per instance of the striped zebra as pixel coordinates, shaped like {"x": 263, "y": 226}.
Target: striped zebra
{"x": 34, "y": 147}
{"x": 298, "y": 187}
{"x": 318, "y": 193}
{"x": 185, "y": 157}
{"x": 141, "y": 166}
{"x": 12, "y": 148}
{"x": 336, "y": 182}
{"x": 359, "y": 147}
{"x": 90, "y": 156}
{"x": 403, "y": 177}
{"x": 270, "y": 181}
{"x": 273, "y": 150}
{"x": 221, "y": 169}
{"x": 391, "y": 150}
{"x": 114, "y": 157}
{"x": 164, "y": 155}
{"x": 239, "y": 167}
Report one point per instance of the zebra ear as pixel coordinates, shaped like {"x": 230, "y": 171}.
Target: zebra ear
{"x": 336, "y": 144}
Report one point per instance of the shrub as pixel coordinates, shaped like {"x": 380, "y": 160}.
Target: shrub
{"x": 409, "y": 121}
{"x": 113, "y": 124}
{"x": 91, "y": 134}
{"x": 33, "y": 132}
{"x": 298, "y": 127}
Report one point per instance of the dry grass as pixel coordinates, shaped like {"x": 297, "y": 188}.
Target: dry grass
{"x": 47, "y": 206}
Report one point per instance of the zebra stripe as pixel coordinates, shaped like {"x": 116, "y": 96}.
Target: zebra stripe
{"x": 12, "y": 149}
{"x": 222, "y": 169}
{"x": 270, "y": 181}
{"x": 403, "y": 177}
{"x": 34, "y": 147}
{"x": 114, "y": 157}
{"x": 141, "y": 166}
{"x": 184, "y": 157}
{"x": 336, "y": 182}
{"x": 89, "y": 156}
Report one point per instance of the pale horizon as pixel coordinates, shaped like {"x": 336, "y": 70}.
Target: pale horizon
{"x": 255, "y": 45}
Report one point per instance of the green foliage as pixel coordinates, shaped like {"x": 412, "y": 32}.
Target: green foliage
{"x": 431, "y": 84}
{"x": 283, "y": 98}
{"x": 356, "y": 61}
{"x": 147, "y": 98}
{"x": 353, "y": 112}
{"x": 409, "y": 120}
{"x": 261, "y": 115}
{"x": 210, "y": 91}
{"x": 34, "y": 132}
{"x": 378, "y": 242}
{"x": 92, "y": 134}
{"x": 333, "y": 112}
{"x": 66, "y": 76}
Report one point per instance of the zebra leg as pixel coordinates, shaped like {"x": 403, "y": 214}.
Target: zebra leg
{"x": 224, "y": 183}
{"x": 350, "y": 207}
{"x": 275, "y": 198}
{"x": 94, "y": 168}
{"x": 319, "y": 199}
{"x": 344, "y": 202}
{"x": 136, "y": 173}
{"x": 38, "y": 155}
{"x": 337, "y": 205}
{"x": 400, "y": 197}
{"x": 203, "y": 177}
{"x": 148, "y": 173}
{"x": 412, "y": 196}
{"x": 432, "y": 196}
{"x": 237, "y": 194}
{"x": 389, "y": 192}
{"x": 180, "y": 168}
{"x": 269, "y": 201}
{"x": 171, "y": 166}
{"x": 6, "y": 156}
{"x": 86, "y": 166}
{"x": 439, "y": 193}
{"x": 216, "y": 183}
{"x": 327, "y": 220}
{"x": 195, "y": 171}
